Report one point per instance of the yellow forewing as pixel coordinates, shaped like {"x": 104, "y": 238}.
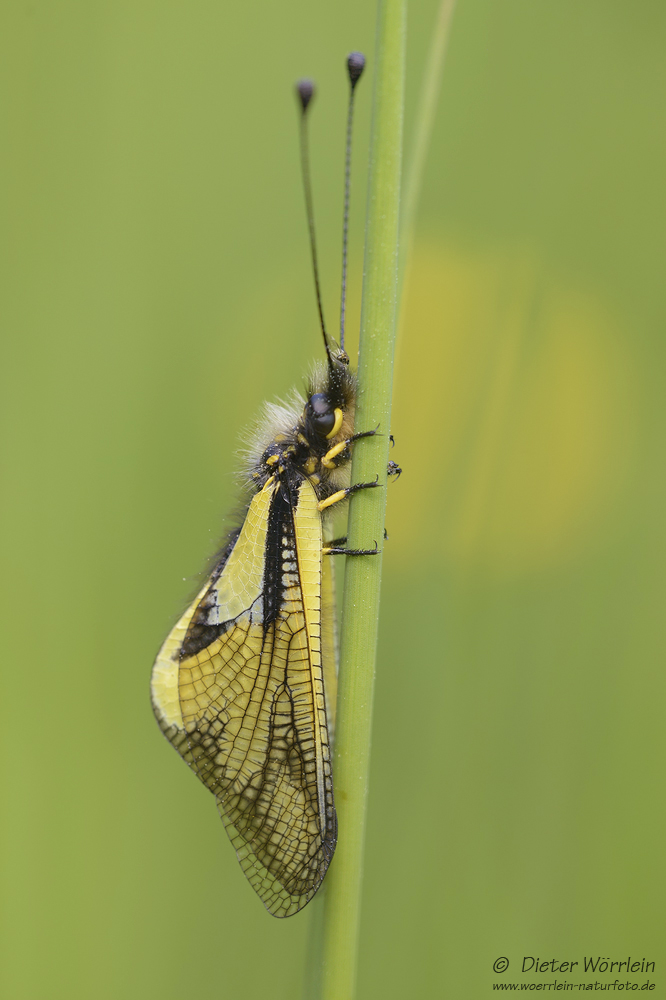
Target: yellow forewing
{"x": 164, "y": 680}
{"x": 329, "y": 642}
{"x": 248, "y": 712}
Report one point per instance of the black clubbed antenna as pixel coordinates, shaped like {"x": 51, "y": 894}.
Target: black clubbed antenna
{"x": 355, "y": 66}
{"x": 305, "y": 90}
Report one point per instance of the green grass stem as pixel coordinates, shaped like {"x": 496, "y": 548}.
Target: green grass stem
{"x": 425, "y": 118}
{"x": 366, "y": 520}
{"x": 333, "y": 945}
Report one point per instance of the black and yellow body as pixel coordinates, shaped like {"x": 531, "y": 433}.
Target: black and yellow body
{"x": 244, "y": 685}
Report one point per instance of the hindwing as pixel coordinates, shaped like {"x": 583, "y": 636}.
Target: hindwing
{"x": 238, "y": 689}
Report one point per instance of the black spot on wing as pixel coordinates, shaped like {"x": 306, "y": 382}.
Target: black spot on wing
{"x": 201, "y": 633}
{"x": 199, "y": 636}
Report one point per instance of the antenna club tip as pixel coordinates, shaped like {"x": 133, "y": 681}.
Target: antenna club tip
{"x": 355, "y": 66}
{"x": 305, "y": 90}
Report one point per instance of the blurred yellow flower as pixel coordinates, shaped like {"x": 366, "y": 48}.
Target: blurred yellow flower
{"x": 514, "y": 413}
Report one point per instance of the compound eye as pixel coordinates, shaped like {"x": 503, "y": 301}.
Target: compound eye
{"x": 320, "y": 414}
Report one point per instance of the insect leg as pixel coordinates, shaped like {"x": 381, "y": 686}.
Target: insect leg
{"x": 328, "y": 461}
{"x": 336, "y": 542}
{"x": 343, "y": 494}
{"x": 363, "y": 434}
{"x": 336, "y": 547}
{"x": 330, "y": 550}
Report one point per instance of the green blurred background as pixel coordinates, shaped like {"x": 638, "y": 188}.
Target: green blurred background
{"x": 156, "y": 291}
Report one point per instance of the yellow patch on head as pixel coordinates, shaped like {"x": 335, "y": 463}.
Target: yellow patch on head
{"x": 339, "y": 417}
